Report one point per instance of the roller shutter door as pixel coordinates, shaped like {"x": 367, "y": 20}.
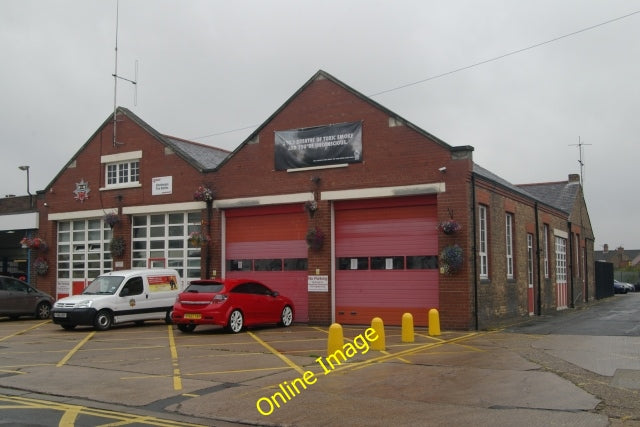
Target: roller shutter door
{"x": 386, "y": 260}
{"x": 268, "y": 244}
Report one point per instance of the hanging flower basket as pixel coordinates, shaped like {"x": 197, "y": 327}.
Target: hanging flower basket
{"x": 111, "y": 219}
{"x": 35, "y": 243}
{"x": 117, "y": 246}
{"x": 450, "y": 226}
{"x": 451, "y": 259}
{"x": 41, "y": 266}
{"x": 315, "y": 238}
{"x": 311, "y": 206}
{"x": 203, "y": 194}
{"x": 197, "y": 238}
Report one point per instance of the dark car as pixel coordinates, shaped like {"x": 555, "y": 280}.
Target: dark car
{"x": 619, "y": 287}
{"x": 18, "y": 298}
{"x": 231, "y": 303}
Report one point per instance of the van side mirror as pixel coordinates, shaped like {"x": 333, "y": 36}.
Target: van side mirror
{"x": 124, "y": 292}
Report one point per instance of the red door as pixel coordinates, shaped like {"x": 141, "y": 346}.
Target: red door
{"x": 267, "y": 244}
{"x": 386, "y": 260}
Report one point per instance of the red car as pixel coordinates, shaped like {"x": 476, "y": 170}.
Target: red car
{"x": 232, "y": 303}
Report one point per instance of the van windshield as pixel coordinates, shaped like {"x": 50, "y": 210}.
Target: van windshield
{"x": 104, "y": 285}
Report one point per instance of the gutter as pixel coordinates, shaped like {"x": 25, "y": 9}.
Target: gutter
{"x": 474, "y": 249}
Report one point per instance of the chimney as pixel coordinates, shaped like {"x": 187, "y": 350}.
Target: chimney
{"x": 605, "y": 249}
{"x": 574, "y": 177}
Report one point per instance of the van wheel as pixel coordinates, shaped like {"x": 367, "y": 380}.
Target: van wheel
{"x": 167, "y": 318}
{"x": 103, "y": 320}
{"x": 186, "y": 327}
{"x": 286, "y": 318}
{"x": 236, "y": 321}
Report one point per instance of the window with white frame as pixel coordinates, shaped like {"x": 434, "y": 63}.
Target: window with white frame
{"x": 83, "y": 249}
{"x": 123, "y": 173}
{"x": 483, "y": 252}
{"x": 162, "y": 239}
{"x": 546, "y": 251}
{"x": 561, "y": 260}
{"x": 530, "y": 259}
{"x": 509, "y": 244}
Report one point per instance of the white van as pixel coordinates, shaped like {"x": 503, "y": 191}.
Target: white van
{"x": 119, "y": 297}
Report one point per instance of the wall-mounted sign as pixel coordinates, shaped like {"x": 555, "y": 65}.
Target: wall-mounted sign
{"x": 161, "y": 185}
{"x": 318, "y": 284}
{"x": 81, "y": 193}
{"x": 318, "y": 146}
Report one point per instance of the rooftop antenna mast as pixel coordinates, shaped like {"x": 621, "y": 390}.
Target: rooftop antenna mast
{"x": 115, "y": 83}
{"x": 580, "y": 146}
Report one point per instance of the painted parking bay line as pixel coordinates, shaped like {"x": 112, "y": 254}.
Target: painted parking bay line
{"x": 6, "y": 337}
{"x": 282, "y": 357}
{"x": 75, "y": 349}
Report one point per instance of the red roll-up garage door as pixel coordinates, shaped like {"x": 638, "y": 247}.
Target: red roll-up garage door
{"x": 268, "y": 244}
{"x": 386, "y": 259}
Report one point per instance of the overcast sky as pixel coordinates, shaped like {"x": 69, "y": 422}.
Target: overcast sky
{"x": 210, "y": 68}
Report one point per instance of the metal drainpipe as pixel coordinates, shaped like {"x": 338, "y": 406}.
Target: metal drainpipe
{"x": 539, "y": 296}
{"x": 474, "y": 249}
{"x": 570, "y": 264}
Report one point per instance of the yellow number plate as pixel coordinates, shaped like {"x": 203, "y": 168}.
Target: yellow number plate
{"x": 192, "y": 316}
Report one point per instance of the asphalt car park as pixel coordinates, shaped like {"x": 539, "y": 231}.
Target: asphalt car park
{"x": 212, "y": 377}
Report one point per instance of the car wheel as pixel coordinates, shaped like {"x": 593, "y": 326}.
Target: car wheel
{"x": 186, "y": 327}
{"x": 68, "y": 327}
{"x": 286, "y": 318}
{"x": 103, "y": 320}
{"x": 236, "y": 321}
{"x": 43, "y": 311}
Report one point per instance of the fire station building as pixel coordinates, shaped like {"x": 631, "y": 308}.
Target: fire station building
{"x": 334, "y": 201}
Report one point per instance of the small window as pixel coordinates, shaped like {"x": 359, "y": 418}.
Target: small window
{"x": 387, "y": 263}
{"x": 361, "y": 263}
{"x": 296, "y": 264}
{"x": 239, "y": 265}
{"x": 123, "y": 173}
{"x": 422, "y": 262}
{"x": 267, "y": 264}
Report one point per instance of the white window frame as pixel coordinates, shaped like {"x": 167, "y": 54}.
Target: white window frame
{"x": 124, "y": 164}
{"x": 530, "y": 259}
{"x": 561, "y": 260}
{"x": 546, "y": 251}
{"x": 483, "y": 253}
{"x": 508, "y": 219}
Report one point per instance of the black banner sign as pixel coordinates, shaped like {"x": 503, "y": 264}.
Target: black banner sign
{"x": 318, "y": 146}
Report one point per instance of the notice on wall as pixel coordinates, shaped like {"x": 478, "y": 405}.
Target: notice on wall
{"x": 318, "y": 284}
{"x": 161, "y": 185}
{"x": 318, "y": 146}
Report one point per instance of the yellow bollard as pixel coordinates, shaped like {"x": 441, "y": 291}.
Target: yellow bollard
{"x": 434, "y": 323}
{"x": 336, "y": 339}
{"x": 378, "y": 326}
{"x": 407, "y": 328}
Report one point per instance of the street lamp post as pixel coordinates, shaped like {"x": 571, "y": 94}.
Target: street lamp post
{"x": 26, "y": 168}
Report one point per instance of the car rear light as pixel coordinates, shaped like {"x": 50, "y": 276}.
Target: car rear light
{"x": 219, "y": 299}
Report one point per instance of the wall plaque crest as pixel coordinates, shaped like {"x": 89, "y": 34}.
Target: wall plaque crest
{"x": 81, "y": 193}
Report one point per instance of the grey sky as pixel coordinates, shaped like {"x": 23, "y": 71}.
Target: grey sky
{"x": 210, "y": 67}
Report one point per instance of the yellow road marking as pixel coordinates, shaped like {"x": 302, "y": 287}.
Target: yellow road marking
{"x": 25, "y": 330}
{"x": 282, "y": 357}
{"x": 363, "y": 364}
{"x": 70, "y": 413}
{"x": 75, "y": 349}
{"x": 177, "y": 381}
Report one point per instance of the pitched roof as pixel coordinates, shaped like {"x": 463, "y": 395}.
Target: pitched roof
{"x": 561, "y": 195}
{"x": 323, "y": 75}
{"x": 202, "y": 157}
